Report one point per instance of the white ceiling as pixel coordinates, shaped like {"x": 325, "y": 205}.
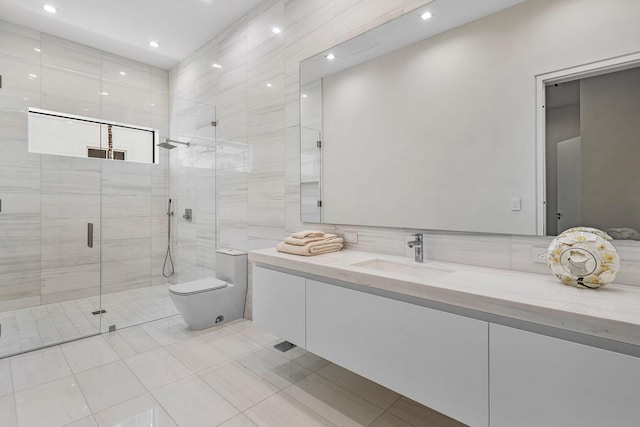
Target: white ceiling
{"x": 125, "y": 27}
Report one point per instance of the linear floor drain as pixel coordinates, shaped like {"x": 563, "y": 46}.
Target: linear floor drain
{"x": 284, "y": 346}
{"x": 95, "y": 313}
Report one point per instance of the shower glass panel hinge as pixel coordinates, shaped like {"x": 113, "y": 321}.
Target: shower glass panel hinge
{"x": 319, "y": 203}
{"x": 319, "y": 144}
{"x": 95, "y": 313}
{"x": 214, "y": 124}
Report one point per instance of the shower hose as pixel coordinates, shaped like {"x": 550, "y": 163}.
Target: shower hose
{"x": 167, "y": 267}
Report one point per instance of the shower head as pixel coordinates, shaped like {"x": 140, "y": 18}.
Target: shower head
{"x": 168, "y": 144}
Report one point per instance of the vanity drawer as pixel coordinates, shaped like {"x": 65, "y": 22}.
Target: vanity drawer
{"x": 438, "y": 359}
{"x": 538, "y": 380}
{"x": 279, "y": 304}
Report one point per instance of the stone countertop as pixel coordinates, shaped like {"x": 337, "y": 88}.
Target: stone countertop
{"x": 611, "y": 312}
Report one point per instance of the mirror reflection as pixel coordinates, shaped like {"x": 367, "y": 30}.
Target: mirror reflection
{"x": 442, "y": 131}
{"x": 311, "y": 151}
{"x": 591, "y": 154}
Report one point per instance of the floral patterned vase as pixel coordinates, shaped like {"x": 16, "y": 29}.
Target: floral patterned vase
{"x": 583, "y": 257}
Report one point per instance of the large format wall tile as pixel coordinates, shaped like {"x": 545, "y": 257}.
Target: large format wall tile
{"x": 18, "y": 74}
{"x": 70, "y": 182}
{"x": 14, "y": 120}
{"x": 70, "y": 282}
{"x": 19, "y": 289}
{"x": 20, "y": 42}
{"x": 69, "y": 56}
{"x": 19, "y": 180}
{"x": 126, "y": 264}
{"x": 47, "y": 200}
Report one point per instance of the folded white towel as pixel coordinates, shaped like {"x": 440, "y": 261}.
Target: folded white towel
{"x": 308, "y": 233}
{"x": 301, "y": 242}
{"x": 313, "y": 248}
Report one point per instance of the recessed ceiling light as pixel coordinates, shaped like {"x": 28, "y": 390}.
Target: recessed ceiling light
{"x": 154, "y": 43}
{"x": 32, "y": 76}
{"x": 49, "y": 8}
{"x": 122, "y": 73}
{"x": 276, "y": 30}
{"x": 153, "y": 105}
{"x": 37, "y": 49}
{"x": 426, "y": 16}
{"x": 218, "y": 66}
{"x": 269, "y": 85}
{"x": 304, "y": 95}
{"x": 331, "y": 57}
{"x": 104, "y": 93}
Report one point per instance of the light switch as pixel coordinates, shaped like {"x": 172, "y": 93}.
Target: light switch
{"x": 515, "y": 204}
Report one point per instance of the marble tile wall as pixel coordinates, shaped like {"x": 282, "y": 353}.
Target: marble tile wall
{"x": 259, "y": 206}
{"x": 48, "y": 200}
{"x": 257, "y": 98}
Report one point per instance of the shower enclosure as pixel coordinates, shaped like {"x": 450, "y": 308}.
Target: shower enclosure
{"x": 83, "y": 238}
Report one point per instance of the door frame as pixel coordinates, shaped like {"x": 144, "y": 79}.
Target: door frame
{"x": 606, "y": 66}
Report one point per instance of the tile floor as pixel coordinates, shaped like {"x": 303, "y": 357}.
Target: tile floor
{"x": 162, "y": 374}
{"x": 35, "y": 327}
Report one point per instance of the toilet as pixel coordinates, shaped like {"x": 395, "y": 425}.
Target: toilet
{"x": 214, "y": 300}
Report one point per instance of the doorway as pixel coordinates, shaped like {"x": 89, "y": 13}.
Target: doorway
{"x": 587, "y": 135}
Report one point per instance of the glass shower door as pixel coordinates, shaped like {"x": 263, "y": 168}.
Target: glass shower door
{"x": 70, "y": 246}
{"x": 49, "y": 264}
{"x": 50, "y": 250}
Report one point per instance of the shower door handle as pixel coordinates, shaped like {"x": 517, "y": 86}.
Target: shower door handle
{"x": 90, "y": 234}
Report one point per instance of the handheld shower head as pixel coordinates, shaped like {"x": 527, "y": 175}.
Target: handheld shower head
{"x": 169, "y": 213}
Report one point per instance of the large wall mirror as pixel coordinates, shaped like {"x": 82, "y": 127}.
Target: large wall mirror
{"x": 435, "y": 123}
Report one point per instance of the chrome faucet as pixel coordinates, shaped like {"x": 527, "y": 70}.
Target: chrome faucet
{"x": 417, "y": 245}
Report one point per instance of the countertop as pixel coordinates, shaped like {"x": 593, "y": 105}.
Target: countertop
{"x": 611, "y": 312}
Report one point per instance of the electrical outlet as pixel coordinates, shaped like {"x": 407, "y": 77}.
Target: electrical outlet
{"x": 350, "y": 237}
{"x": 539, "y": 255}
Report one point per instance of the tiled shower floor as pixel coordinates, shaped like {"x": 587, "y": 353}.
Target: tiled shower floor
{"x": 161, "y": 374}
{"x": 34, "y": 327}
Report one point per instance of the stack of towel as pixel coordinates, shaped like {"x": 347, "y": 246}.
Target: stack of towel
{"x": 310, "y": 242}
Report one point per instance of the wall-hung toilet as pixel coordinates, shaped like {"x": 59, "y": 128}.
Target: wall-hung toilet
{"x": 210, "y": 301}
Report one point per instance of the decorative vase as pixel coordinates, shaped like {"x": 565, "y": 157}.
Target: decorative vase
{"x": 583, "y": 257}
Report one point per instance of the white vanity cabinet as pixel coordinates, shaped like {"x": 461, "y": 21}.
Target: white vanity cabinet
{"x": 279, "y": 304}
{"x": 436, "y": 358}
{"x": 538, "y": 380}
{"x": 488, "y": 348}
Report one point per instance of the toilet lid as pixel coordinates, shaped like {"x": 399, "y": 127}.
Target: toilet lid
{"x": 196, "y": 286}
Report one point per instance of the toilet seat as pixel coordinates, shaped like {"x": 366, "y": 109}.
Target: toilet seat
{"x": 197, "y": 286}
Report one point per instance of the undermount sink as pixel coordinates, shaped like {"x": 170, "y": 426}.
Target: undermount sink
{"x": 416, "y": 270}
